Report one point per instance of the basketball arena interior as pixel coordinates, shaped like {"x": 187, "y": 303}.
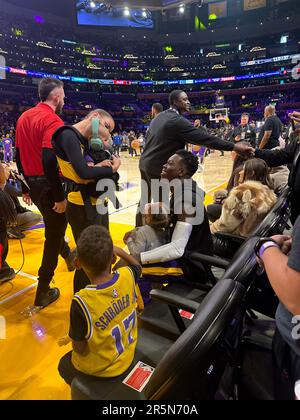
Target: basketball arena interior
{"x": 149, "y": 207}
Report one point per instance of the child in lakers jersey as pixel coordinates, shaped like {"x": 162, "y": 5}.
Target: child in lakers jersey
{"x": 103, "y": 319}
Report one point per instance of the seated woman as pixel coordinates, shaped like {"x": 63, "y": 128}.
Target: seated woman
{"x": 214, "y": 210}
{"x": 189, "y": 227}
{"x": 248, "y": 203}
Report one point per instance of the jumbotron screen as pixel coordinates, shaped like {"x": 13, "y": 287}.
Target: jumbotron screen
{"x": 101, "y": 14}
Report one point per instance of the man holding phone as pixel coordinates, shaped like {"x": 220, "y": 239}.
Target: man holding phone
{"x": 244, "y": 132}
{"x": 290, "y": 155}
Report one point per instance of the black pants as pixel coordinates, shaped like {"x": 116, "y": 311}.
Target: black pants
{"x": 67, "y": 370}
{"x": 4, "y": 267}
{"x": 132, "y": 151}
{"x": 79, "y": 220}
{"x": 55, "y": 228}
{"x": 117, "y": 149}
{"x": 286, "y": 369}
{"x": 146, "y": 195}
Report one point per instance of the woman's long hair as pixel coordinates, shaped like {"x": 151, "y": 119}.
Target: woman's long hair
{"x": 237, "y": 167}
{"x": 8, "y": 214}
{"x": 257, "y": 170}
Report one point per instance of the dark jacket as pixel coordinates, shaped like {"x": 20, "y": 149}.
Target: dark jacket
{"x": 249, "y": 133}
{"x": 169, "y": 132}
{"x": 290, "y": 155}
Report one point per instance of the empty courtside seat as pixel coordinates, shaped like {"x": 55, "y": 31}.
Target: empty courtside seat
{"x": 193, "y": 365}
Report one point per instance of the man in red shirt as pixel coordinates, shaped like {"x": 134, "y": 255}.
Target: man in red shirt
{"x": 37, "y": 162}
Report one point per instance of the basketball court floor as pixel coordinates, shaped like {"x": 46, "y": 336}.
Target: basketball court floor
{"x": 29, "y": 347}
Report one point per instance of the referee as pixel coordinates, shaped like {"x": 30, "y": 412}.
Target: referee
{"x": 37, "y": 162}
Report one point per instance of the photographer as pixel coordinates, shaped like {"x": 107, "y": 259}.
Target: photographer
{"x": 78, "y": 149}
{"x": 244, "y": 132}
{"x": 7, "y": 217}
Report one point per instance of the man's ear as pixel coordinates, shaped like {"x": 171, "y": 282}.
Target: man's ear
{"x": 78, "y": 265}
{"x": 182, "y": 171}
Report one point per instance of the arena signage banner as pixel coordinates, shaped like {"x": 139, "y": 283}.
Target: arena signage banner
{"x": 254, "y": 4}
{"x": 30, "y": 73}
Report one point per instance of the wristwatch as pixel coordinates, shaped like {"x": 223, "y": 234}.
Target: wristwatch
{"x": 263, "y": 244}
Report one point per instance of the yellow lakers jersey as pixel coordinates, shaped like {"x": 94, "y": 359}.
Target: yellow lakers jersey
{"x": 110, "y": 311}
{"x": 68, "y": 172}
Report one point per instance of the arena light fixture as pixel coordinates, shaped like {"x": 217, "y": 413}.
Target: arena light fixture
{"x": 49, "y": 60}
{"x": 213, "y": 54}
{"x": 43, "y": 44}
{"x": 135, "y": 69}
{"x": 92, "y": 4}
{"x": 87, "y": 52}
{"x": 218, "y": 67}
{"x": 181, "y": 8}
{"x": 130, "y": 57}
{"x": 256, "y": 49}
{"x": 176, "y": 69}
{"x": 93, "y": 67}
{"x": 171, "y": 57}
{"x": 126, "y": 12}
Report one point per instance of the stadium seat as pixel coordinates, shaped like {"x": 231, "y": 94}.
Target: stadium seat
{"x": 193, "y": 366}
{"x": 244, "y": 269}
{"x": 163, "y": 317}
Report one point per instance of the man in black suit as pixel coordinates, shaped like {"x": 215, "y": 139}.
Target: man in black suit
{"x": 169, "y": 132}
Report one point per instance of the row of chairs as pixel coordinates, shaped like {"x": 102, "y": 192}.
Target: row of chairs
{"x": 198, "y": 359}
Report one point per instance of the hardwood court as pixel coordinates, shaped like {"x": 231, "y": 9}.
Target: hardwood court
{"x": 30, "y": 353}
